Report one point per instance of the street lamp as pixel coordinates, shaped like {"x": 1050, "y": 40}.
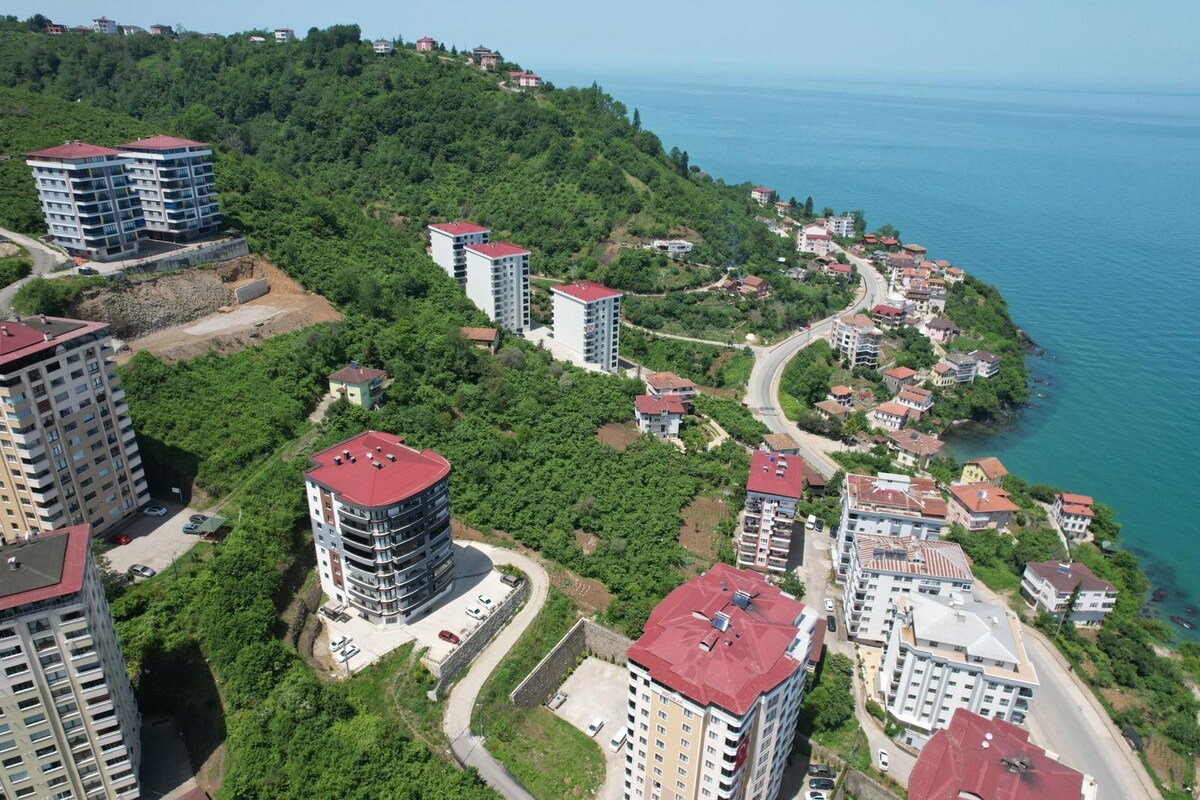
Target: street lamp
{"x": 479, "y": 708}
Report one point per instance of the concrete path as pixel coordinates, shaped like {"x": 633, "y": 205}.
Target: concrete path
{"x": 318, "y": 413}
{"x": 677, "y": 337}
{"x": 460, "y": 706}
{"x": 44, "y": 258}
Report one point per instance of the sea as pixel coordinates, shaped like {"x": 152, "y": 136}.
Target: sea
{"x": 1083, "y": 207}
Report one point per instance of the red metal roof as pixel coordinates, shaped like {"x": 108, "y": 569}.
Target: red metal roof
{"x": 70, "y": 578}
{"x": 497, "y": 249}
{"x": 740, "y": 663}
{"x": 20, "y": 339}
{"x": 73, "y": 150}
{"x": 458, "y": 228}
{"x": 955, "y": 763}
{"x": 775, "y": 474}
{"x": 360, "y": 482}
{"x": 587, "y": 291}
{"x": 160, "y": 143}
{"x": 647, "y": 405}
{"x": 354, "y": 374}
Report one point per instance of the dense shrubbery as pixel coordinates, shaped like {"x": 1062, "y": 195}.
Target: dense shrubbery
{"x": 806, "y": 376}
{"x": 737, "y": 421}
{"x": 51, "y": 296}
{"x": 706, "y": 364}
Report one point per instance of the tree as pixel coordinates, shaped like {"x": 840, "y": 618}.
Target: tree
{"x": 790, "y": 582}
{"x": 808, "y": 206}
{"x": 637, "y": 120}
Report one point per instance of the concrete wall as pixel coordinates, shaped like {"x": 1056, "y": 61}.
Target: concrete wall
{"x": 584, "y": 638}
{"x": 852, "y": 783}
{"x": 224, "y": 250}
{"x": 246, "y": 293}
{"x": 450, "y": 667}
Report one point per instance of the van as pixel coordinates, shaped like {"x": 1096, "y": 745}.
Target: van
{"x": 811, "y": 522}
{"x": 618, "y": 741}
{"x": 510, "y": 580}
{"x": 594, "y": 727}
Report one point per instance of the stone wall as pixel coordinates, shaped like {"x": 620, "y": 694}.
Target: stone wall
{"x": 450, "y": 667}
{"x": 584, "y": 638}
{"x": 851, "y": 783}
{"x": 249, "y": 291}
{"x": 208, "y": 253}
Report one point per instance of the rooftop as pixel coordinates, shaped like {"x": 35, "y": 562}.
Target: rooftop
{"x": 982, "y": 498}
{"x": 647, "y": 405}
{"x": 900, "y": 373}
{"x": 833, "y": 407}
{"x": 859, "y": 320}
{"x": 376, "y": 469}
{"x": 895, "y": 494}
{"x": 668, "y": 381}
{"x": 780, "y": 441}
{"x": 990, "y": 466}
{"x": 915, "y": 394}
{"x": 917, "y": 443}
{"x": 775, "y": 474}
{"x": 892, "y": 408}
{"x": 1076, "y": 499}
{"x": 497, "y": 249}
{"x": 1064, "y": 577}
{"x": 48, "y": 565}
{"x": 31, "y": 335}
{"x": 480, "y": 334}
{"x": 841, "y": 391}
{"x": 356, "y": 374}
{"x": 912, "y": 556}
{"x": 724, "y": 639}
{"x": 457, "y": 228}
{"x": 888, "y": 311}
{"x": 985, "y": 356}
{"x": 961, "y": 629}
{"x": 586, "y": 291}
{"x": 74, "y": 150}
{"x": 160, "y": 143}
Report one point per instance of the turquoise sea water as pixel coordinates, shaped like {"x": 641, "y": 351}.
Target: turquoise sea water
{"x": 1084, "y": 208}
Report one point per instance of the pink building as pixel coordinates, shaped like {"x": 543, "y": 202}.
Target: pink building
{"x": 426, "y": 44}
{"x": 762, "y": 195}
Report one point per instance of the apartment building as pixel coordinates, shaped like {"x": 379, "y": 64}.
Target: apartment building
{"x": 173, "y": 179}
{"x": 380, "y": 514}
{"x": 383, "y": 47}
{"x": 448, "y": 246}
{"x": 69, "y": 723}
{"x": 426, "y": 44}
{"x": 715, "y": 685}
{"x": 887, "y": 505}
{"x": 774, "y": 487}
{"x": 70, "y": 453}
{"x": 1073, "y": 513}
{"x": 987, "y": 364}
{"x": 587, "y": 320}
{"x": 856, "y": 337}
{"x": 979, "y": 506}
{"x": 498, "y": 283}
{"x": 840, "y": 226}
{"x": 762, "y": 195}
{"x": 947, "y": 653}
{"x": 284, "y": 35}
{"x": 882, "y": 568}
{"x": 88, "y": 204}
{"x": 1048, "y": 585}
{"x": 660, "y": 417}
{"x": 814, "y": 239}
{"x": 106, "y": 26}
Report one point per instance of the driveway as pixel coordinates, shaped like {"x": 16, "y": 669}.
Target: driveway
{"x": 157, "y": 541}
{"x": 599, "y": 689}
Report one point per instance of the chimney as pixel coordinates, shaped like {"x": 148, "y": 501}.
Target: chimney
{"x": 48, "y": 336}
{"x": 377, "y": 465}
{"x": 378, "y": 449}
{"x": 4, "y": 331}
{"x": 337, "y": 460}
{"x": 346, "y": 453}
{"x": 391, "y": 457}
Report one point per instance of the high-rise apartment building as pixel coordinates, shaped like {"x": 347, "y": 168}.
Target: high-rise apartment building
{"x": 448, "y": 246}
{"x": 173, "y": 178}
{"x": 715, "y": 684}
{"x": 498, "y": 283}
{"x": 380, "y": 514}
{"x": 69, "y": 724}
{"x": 887, "y": 505}
{"x": 70, "y": 455}
{"x": 773, "y": 488}
{"x": 89, "y": 206}
{"x": 587, "y": 320}
{"x": 857, "y": 338}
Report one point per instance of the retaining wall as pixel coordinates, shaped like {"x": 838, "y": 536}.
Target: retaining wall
{"x": 248, "y": 292}
{"x": 449, "y": 668}
{"x": 584, "y": 638}
{"x": 852, "y": 783}
{"x": 225, "y": 250}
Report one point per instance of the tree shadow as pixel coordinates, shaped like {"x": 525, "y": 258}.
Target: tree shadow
{"x": 181, "y": 684}
{"x": 167, "y": 467}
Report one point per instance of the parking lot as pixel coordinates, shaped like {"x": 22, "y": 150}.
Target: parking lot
{"x": 155, "y": 541}
{"x": 599, "y": 689}
{"x": 473, "y": 575}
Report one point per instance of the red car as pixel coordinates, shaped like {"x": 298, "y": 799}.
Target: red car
{"x": 120, "y": 538}
{"x": 447, "y": 636}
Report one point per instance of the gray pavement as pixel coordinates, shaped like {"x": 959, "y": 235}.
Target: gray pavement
{"x": 166, "y": 771}
{"x": 44, "y": 258}
{"x": 599, "y": 689}
{"x": 156, "y": 541}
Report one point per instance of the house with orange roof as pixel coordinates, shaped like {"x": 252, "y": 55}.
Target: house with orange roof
{"x": 913, "y": 448}
{"x": 1073, "y": 513}
{"x": 897, "y": 378}
{"x": 984, "y": 470}
{"x": 842, "y": 395}
{"x": 979, "y": 506}
{"x": 890, "y": 416}
{"x": 762, "y": 195}
{"x": 754, "y": 286}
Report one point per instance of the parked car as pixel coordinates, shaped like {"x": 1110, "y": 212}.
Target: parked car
{"x": 88, "y": 271}
{"x": 824, "y": 784}
{"x": 618, "y": 740}
{"x": 447, "y": 636}
{"x": 476, "y": 612}
{"x": 510, "y": 580}
{"x": 558, "y": 699}
{"x": 815, "y": 796}
{"x": 485, "y": 601}
{"x": 155, "y": 510}
{"x": 828, "y": 605}
{"x": 831, "y": 623}
{"x": 347, "y": 654}
{"x": 883, "y": 760}
{"x": 594, "y": 727}
{"x": 339, "y": 643}
{"x": 198, "y": 519}
{"x": 191, "y": 527}
{"x": 811, "y": 522}
{"x": 120, "y": 538}
{"x": 822, "y": 771}
{"x": 142, "y": 571}
{"x": 820, "y": 526}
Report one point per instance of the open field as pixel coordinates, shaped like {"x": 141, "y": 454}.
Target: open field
{"x": 618, "y": 435}
{"x": 698, "y": 531}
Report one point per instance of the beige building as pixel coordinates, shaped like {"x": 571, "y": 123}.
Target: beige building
{"x": 361, "y": 386}
{"x": 70, "y": 453}
{"x": 984, "y": 470}
{"x": 715, "y": 685}
{"x": 69, "y": 724}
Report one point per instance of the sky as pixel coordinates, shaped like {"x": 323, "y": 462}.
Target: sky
{"x": 1087, "y": 44}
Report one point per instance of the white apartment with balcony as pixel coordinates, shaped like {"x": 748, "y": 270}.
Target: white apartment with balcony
{"x": 71, "y": 456}
{"x": 498, "y": 283}
{"x": 887, "y": 505}
{"x": 87, "y": 201}
{"x": 773, "y": 490}
{"x": 857, "y": 338}
{"x": 173, "y": 179}
{"x": 1048, "y": 585}
{"x": 448, "y": 246}
{"x": 882, "y": 568}
{"x": 69, "y": 723}
{"x": 840, "y": 226}
{"x": 587, "y": 321}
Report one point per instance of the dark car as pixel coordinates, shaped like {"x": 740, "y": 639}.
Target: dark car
{"x": 820, "y": 525}
{"x": 824, "y": 784}
{"x": 831, "y": 622}
{"x": 88, "y": 271}
{"x": 120, "y": 538}
{"x": 821, "y": 771}
{"x": 447, "y": 636}
{"x": 198, "y": 519}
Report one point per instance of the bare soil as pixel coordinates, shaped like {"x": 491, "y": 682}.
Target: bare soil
{"x": 698, "y": 532}
{"x": 618, "y": 435}
{"x": 587, "y": 542}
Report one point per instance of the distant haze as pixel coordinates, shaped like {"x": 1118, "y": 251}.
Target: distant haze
{"x": 1090, "y": 44}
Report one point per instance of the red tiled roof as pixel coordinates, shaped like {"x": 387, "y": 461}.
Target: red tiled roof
{"x": 587, "y": 291}
{"x": 1077, "y": 573}
{"x": 888, "y": 240}
{"x": 73, "y": 150}
{"x": 954, "y": 763}
{"x": 1076, "y": 499}
{"x": 480, "y": 334}
{"x": 362, "y": 483}
{"x": 833, "y": 408}
{"x": 668, "y": 381}
{"x": 982, "y": 498}
{"x": 351, "y": 374}
{"x": 780, "y": 441}
{"x": 921, "y": 496}
{"x": 497, "y": 249}
{"x": 70, "y": 578}
{"x": 840, "y": 268}
{"x": 900, "y": 373}
{"x": 780, "y": 475}
{"x": 841, "y": 391}
{"x": 814, "y": 235}
{"x": 160, "y": 142}
{"x": 915, "y": 394}
{"x": 915, "y": 248}
{"x": 917, "y": 443}
{"x": 753, "y": 281}
{"x": 894, "y": 409}
{"x": 763, "y": 189}
{"x": 457, "y": 228}
{"x": 888, "y": 311}
{"x": 24, "y": 338}
{"x": 1078, "y": 510}
{"x": 651, "y": 406}
{"x": 990, "y": 466}
{"x": 747, "y": 659}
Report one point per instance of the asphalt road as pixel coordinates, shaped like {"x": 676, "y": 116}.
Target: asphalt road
{"x": 44, "y": 260}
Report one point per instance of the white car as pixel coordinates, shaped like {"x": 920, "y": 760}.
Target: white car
{"x": 476, "y": 612}
{"x": 828, "y": 606}
{"x": 815, "y": 796}
{"x": 339, "y": 643}
{"x": 347, "y": 654}
{"x": 883, "y": 760}
{"x": 594, "y": 727}
{"x": 155, "y": 510}
{"x": 485, "y": 601}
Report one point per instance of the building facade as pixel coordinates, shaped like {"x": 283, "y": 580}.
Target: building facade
{"x": 498, "y": 283}
{"x": 361, "y": 386}
{"x": 840, "y": 226}
{"x": 887, "y": 505}
{"x": 814, "y": 239}
{"x": 173, "y": 179}
{"x": 87, "y": 201}
{"x": 1073, "y": 513}
{"x": 69, "y": 723}
{"x": 762, "y": 195}
{"x": 984, "y": 470}
{"x": 773, "y": 489}
{"x": 914, "y": 449}
{"x": 587, "y": 320}
{"x": 380, "y": 514}
{"x": 856, "y": 337}
{"x": 448, "y": 246}
{"x": 660, "y": 417}
{"x": 71, "y": 453}
{"x": 715, "y": 685}
{"x": 1048, "y": 585}
{"x": 979, "y": 506}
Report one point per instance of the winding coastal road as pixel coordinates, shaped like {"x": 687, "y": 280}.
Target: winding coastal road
{"x": 44, "y": 260}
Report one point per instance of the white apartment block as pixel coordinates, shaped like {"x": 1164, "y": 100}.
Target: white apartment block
{"x": 498, "y": 283}
{"x": 106, "y": 26}
{"x": 814, "y": 239}
{"x": 882, "y": 568}
{"x": 69, "y": 723}
{"x": 380, "y": 514}
{"x": 448, "y": 246}
{"x": 857, "y": 338}
{"x": 840, "y": 226}
{"x": 1048, "y": 585}
{"x": 887, "y": 505}
{"x": 675, "y": 248}
{"x": 70, "y": 453}
{"x": 715, "y": 685}
{"x": 587, "y": 320}
{"x": 173, "y": 178}
{"x": 1073, "y": 513}
{"x": 284, "y": 35}
{"x": 88, "y": 204}
{"x": 773, "y": 490}
{"x": 383, "y": 47}
{"x": 946, "y": 653}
